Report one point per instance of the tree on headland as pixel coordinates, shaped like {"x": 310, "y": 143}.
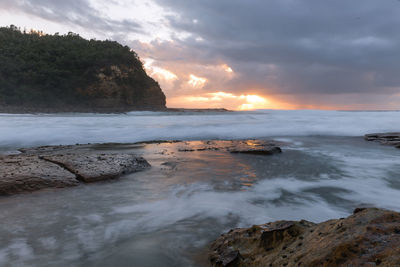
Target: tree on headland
{"x": 43, "y": 69}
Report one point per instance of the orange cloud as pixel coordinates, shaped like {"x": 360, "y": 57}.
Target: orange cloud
{"x": 157, "y": 72}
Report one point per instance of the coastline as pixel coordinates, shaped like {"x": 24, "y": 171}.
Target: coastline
{"x": 114, "y": 110}
{"x": 368, "y": 237}
{"x": 62, "y": 166}
{"x": 188, "y": 192}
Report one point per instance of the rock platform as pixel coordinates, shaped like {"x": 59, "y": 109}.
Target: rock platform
{"x": 60, "y": 166}
{"x": 392, "y": 139}
{"x": 48, "y": 167}
{"x": 369, "y": 237}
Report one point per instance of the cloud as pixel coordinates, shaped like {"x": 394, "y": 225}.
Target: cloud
{"x": 292, "y": 47}
{"x": 300, "y": 51}
{"x": 74, "y": 13}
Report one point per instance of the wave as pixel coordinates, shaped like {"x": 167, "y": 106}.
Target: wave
{"x": 50, "y": 129}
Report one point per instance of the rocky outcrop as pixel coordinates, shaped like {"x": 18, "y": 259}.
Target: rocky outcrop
{"x": 256, "y": 147}
{"x": 392, "y": 139}
{"x": 21, "y": 173}
{"x": 30, "y": 171}
{"x": 93, "y": 167}
{"x": 67, "y": 73}
{"x": 115, "y": 88}
{"x": 260, "y": 150}
{"x": 69, "y": 165}
{"x": 369, "y": 237}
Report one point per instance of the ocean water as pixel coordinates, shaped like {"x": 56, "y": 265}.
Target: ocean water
{"x": 167, "y": 215}
{"x": 31, "y": 130}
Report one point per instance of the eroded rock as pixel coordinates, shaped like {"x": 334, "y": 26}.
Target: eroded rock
{"x": 369, "y": 237}
{"x": 21, "y": 173}
{"x": 92, "y": 167}
{"x": 62, "y": 166}
{"x": 258, "y": 150}
{"x": 392, "y": 139}
{"x": 256, "y": 147}
{"x": 67, "y": 165}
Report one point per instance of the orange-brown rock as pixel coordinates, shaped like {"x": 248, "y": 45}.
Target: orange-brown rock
{"x": 369, "y": 237}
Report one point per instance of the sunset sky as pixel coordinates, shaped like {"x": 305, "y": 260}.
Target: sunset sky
{"x": 279, "y": 54}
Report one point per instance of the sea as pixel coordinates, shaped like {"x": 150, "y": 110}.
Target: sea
{"x": 168, "y": 215}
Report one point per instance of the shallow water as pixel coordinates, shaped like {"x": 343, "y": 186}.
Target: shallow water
{"x": 167, "y": 215}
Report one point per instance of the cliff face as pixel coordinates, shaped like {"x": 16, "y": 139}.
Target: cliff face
{"x": 119, "y": 87}
{"x": 68, "y": 73}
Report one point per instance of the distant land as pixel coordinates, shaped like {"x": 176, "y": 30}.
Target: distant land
{"x": 67, "y": 73}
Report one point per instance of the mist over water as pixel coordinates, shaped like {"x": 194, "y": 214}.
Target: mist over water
{"x": 167, "y": 215}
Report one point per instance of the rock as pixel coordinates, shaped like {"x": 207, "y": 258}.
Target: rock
{"x": 369, "y": 237}
{"x": 49, "y": 149}
{"x": 258, "y": 151}
{"x": 92, "y": 167}
{"x": 392, "y": 139}
{"x": 278, "y": 233}
{"x": 79, "y": 148}
{"x": 62, "y": 166}
{"x": 102, "y": 76}
{"x": 256, "y": 147}
{"x": 68, "y": 165}
{"x": 187, "y": 150}
{"x": 229, "y": 259}
{"x": 20, "y": 173}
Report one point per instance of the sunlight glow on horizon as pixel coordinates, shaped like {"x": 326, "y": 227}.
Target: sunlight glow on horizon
{"x": 253, "y": 102}
{"x": 228, "y": 100}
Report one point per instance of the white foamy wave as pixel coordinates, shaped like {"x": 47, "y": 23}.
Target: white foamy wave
{"x": 44, "y": 129}
{"x": 256, "y": 205}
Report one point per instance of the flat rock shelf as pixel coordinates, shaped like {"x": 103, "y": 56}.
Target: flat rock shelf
{"x": 391, "y": 139}
{"x": 19, "y": 173}
{"x": 70, "y": 165}
{"x": 98, "y": 167}
{"x": 31, "y": 172}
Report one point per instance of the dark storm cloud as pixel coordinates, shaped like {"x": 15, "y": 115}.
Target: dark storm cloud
{"x": 73, "y": 12}
{"x": 296, "y": 46}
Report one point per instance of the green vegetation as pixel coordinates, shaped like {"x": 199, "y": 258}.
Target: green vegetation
{"x": 50, "y": 70}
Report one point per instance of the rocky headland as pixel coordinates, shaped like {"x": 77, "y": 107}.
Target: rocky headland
{"x": 369, "y": 237}
{"x": 67, "y": 73}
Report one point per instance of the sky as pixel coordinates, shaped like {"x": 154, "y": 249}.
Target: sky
{"x": 253, "y": 54}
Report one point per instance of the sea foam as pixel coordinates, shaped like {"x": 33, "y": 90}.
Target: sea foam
{"x": 52, "y": 129}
